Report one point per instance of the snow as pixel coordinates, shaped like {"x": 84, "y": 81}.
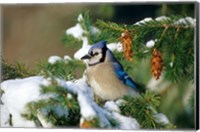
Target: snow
{"x": 150, "y": 43}
{"x": 17, "y": 93}
{"x": 80, "y": 18}
{"x": 42, "y": 120}
{"x": 75, "y": 31}
{"x": 67, "y": 58}
{"x": 69, "y": 96}
{"x": 120, "y": 102}
{"x": 143, "y": 21}
{"x": 53, "y": 59}
{"x": 115, "y": 46}
{"x": 103, "y": 116}
{"x": 86, "y": 106}
{"x": 162, "y": 18}
{"x": 187, "y": 20}
{"x": 28, "y": 90}
{"x": 89, "y": 109}
{"x": 84, "y": 97}
{"x": 78, "y": 32}
{"x": 182, "y": 21}
{"x": 46, "y": 82}
{"x": 84, "y": 50}
{"x": 126, "y": 122}
{"x": 4, "y": 116}
{"x": 161, "y": 118}
{"x": 111, "y": 106}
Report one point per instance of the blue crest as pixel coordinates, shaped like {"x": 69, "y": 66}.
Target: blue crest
{"x": 99, "y": 45}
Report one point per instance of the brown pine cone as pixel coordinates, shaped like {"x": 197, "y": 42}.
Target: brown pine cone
{"x": 156, "y": 62}
{"x": 126, "y": 41}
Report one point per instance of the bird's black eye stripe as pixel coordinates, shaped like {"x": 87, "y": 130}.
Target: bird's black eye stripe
{"x": 96, "y": 53}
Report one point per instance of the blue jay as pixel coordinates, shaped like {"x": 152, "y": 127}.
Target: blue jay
{"x": 106, "y": 75}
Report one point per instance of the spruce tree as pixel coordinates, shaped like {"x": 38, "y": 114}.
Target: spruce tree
{"x": 170, "y": 54}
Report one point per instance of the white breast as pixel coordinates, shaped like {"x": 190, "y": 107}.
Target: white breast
{"x": 98, "y": 90}
{"x": 104, "y": 82}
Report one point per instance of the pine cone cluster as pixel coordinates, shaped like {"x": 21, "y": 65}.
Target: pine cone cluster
{"x": 126, "y": 41}
{"x": 156, "y": 62}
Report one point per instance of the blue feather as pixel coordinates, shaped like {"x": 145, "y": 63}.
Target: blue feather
{"x": 123, "y": 76}
{"x": 99, "y": 45}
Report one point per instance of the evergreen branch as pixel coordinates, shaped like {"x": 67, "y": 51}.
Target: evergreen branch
{"x": 48, "y": 108}
{"x": 163, "y": 26}
{"x": 176, "y": 34}
{"x": 61, "y": 69}
{"x": 135, "y": 28}
{"x": 17, "y": 70}
{"x": 110, "y": 25}
{"x": 161, "y": 36}
{"x": 141, "y": 108}
{"x": 171, "y": 42}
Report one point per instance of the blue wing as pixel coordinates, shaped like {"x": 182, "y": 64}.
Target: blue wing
{"x": 123, "y": 76}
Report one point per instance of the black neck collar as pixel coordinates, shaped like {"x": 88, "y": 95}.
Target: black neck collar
{"x": 103, "y": 57}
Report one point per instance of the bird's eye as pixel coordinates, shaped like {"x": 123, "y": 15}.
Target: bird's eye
{"x": 96, "y": 53}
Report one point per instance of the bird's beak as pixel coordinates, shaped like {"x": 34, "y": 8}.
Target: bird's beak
{"x": 87, "y": 56}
